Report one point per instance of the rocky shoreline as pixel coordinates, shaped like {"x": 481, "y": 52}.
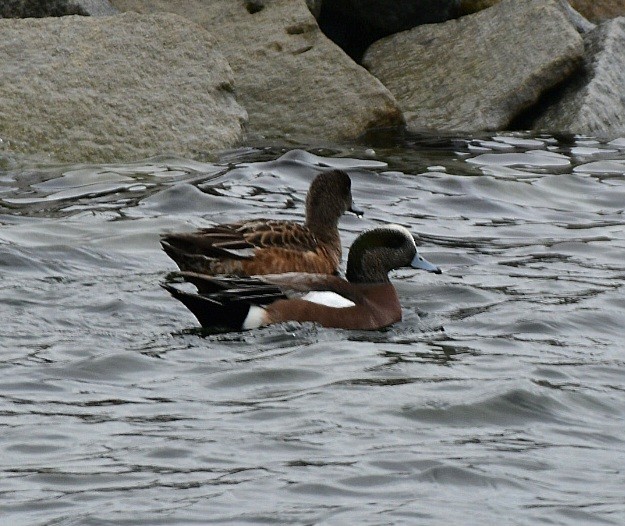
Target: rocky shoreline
{"x": 144, "y": 77}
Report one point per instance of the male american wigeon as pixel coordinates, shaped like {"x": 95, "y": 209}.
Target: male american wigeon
{"x": 366, "y": 300}
{"x": 270, "y": 246}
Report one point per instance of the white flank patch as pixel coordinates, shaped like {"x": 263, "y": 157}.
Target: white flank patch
{"x": 327, "y": 298}
{"x": 255, "y": 318}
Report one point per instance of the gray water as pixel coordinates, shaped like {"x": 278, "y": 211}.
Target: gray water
{"x": 499, "y": 399}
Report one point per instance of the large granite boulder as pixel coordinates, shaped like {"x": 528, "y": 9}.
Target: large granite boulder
{"x": 293, "y": 81}
{"x": 594, "y": 101}
{"x": 355, "y": 24}
{"x": 110, "y": 88}
{"x": 480, "y": 71}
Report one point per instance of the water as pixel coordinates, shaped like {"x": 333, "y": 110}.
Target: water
{"x": 499, "y": 399}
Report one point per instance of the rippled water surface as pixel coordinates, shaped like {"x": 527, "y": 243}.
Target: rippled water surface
{"x": 499, "y": 399}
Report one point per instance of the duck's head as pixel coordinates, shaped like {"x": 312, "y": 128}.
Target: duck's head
{"x": 330, "y": 196}
{"x": 376, "y": 252}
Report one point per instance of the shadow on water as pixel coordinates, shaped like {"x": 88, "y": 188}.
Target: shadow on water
{"x": 498, "y": 394}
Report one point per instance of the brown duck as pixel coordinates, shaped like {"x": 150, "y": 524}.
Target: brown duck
{"x": 271, "y": 246}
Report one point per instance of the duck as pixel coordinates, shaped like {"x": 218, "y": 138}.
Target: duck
{"x": 364, "y": 300}
{"x": 270, "y": 246}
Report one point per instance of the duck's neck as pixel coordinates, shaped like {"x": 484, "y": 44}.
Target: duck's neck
{"x": 325, "y": 226}
{"x": 365, "y": 267}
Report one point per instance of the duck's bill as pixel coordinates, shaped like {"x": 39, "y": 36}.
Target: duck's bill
{"x": 421, "y": 263}
{"x": 355, "y": 210}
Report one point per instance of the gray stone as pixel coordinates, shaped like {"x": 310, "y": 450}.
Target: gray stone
{"x": 111, "y": 88}
{"x": 96, "y": 7}
{"x": 480, "y": 71}
{"x": 293, "y": 81}
{"x": 594, "y": 101}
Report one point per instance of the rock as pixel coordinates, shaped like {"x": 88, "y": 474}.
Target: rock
{"x": 292, "y": 80}
{"x": 97, "y": 7}
{"x": 355, "y": 24}
{"x": 480, "y": 71}
{"x": 594, "y": 101}
{"x": 123, "y": 87}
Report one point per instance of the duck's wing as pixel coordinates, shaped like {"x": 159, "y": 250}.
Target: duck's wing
{"x": 240, "y": 240}
{"x": 262, "y": 290}
{"x": 302, "y": 285}
{"x": 253, "y": 290}
{"x": 221, "y": 241}
{"x": 276, "y": 234}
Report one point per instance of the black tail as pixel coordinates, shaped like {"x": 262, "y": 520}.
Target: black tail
{"x": 210, "y": 312}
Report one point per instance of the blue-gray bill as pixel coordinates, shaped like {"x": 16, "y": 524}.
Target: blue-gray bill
{"x": 421, "y": 263}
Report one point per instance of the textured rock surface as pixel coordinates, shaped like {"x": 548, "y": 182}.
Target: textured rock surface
{"x": 594, "y": 10}
{"x": 594, "y": 101}
{"x": 112, "y": 88}
{"x": 480, "y": 71}
{"x": 291, "y": 78}
{"x": 577, "y": 19}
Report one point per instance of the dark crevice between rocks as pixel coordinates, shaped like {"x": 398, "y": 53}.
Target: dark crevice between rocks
{"x": 39, "y": 8}
{"x": 354, "y": 33}
{"x": 526, "y": 119}
{"x": 349, "y": 35}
